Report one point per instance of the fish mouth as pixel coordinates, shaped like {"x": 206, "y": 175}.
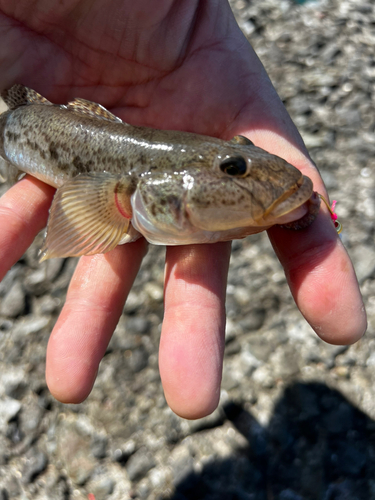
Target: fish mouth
{"x": 312, "y": 207}
{"x": 294, "y": 207}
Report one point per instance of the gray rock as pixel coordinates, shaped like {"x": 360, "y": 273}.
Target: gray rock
{"x": 30, "y": 325}
{"x": 122, "y": 453}
{"x": 102, "y": 488}
{"x": 13, "y": 383}
{"x": 36, "y": 462}
{"x": 182, "y": 464}
{"x": 215, "y": 419}
{"x": 345, "y": 490}
{"x": 9, "y": 408}
{"x": 11, "y": 277}
{"x": 31, "y": 417}
{"x": 47, "y": 305}
{"x": 138, "y": 324}
{"x": 5, "y": 325}
{"x": 364, "y": 261}
{"x": 39, "y": 281}
{"x": 289, "y": 494}
{"x": 16, "y": 389}
{"x": 4, "y": 495}
{"x": 138, "y": 359}
{"x": 13, "y": 304}
{"x": 73, "y": 448}
{"x": 56, "y": 485}
{"x": 139, "y": 464}
{"x": 12, "y": 486}
{"x": 98, "y": 446}
{"x": 254, "y": 321}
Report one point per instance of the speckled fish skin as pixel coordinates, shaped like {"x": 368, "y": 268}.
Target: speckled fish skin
{"x": 173, "y": 187}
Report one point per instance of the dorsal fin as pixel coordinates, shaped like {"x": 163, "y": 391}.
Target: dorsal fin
{"x": 19, "y": 95}
{"x": 91, "y": 108}
{"x": 241, "y": 140}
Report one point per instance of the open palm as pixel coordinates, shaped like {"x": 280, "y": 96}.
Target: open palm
{"x": 168, "y": 64}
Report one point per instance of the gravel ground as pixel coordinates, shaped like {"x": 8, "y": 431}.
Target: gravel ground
{"x": 297, "y": 416}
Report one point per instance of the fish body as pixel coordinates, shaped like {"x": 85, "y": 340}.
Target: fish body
{"x": 117, "y": 182}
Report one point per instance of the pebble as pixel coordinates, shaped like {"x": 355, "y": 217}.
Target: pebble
{"x": 13, "y": 304}
{"x": 289, "y": 494}
{"x": 254, "y": 321}
{"x": 139, "y": 464}
{"x": 154, "y": 291}
{"x": 55, "y": 484}
{"x": 73, "y": 448}
{"x": 39, "y": 281}
{"x": 138, "y": 324}
{"x": 48, "y": 305}
{"x": 264, "y": 377}
{"x": 99, "y": 445}
{"x": 215, "y": 419}
{"x": 102, "y": 488}
{"x": 4, "y": 495}
{"x": 13, "y": 487}
{"x": 9, "y": 408}
{"x": 364, "y": 261}
{"x": 13, "y": 383}
{"x": 30, "y": 325}
{"x": 137, "y": 359}
{"x": 122, "y": 454}
{"x": 344, "y": 490}
{"x": 11, "y": 278}
{"x": 248, "y": 362}
{"x": 36, "y": 462}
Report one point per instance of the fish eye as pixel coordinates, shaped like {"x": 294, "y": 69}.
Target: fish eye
{"x": 234, "y": 166}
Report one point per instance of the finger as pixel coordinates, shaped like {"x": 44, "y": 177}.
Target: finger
{"x": 94, "y": 303}
{"x": 318, "y": 269}
{"x": 322, "y": 280}
{"x": 23, "y": 213}
{"x": 192, "y": 342}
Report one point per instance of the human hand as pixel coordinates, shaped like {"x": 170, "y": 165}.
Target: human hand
{"x": 171, "y": 65}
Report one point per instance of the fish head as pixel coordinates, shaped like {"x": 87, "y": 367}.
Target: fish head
{"x": 248, "y": 188}
{"x": 231, "y": 191}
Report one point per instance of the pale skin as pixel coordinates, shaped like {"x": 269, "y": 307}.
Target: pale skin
{"x": 175, "y": 65}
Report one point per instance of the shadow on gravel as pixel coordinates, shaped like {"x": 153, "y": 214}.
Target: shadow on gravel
{"x": 317, "y": 447}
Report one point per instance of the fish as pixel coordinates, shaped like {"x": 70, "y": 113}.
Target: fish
{"x": 117, "y": 182}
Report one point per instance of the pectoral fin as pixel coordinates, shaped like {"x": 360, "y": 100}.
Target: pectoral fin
{"x": 90, "y": 214}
